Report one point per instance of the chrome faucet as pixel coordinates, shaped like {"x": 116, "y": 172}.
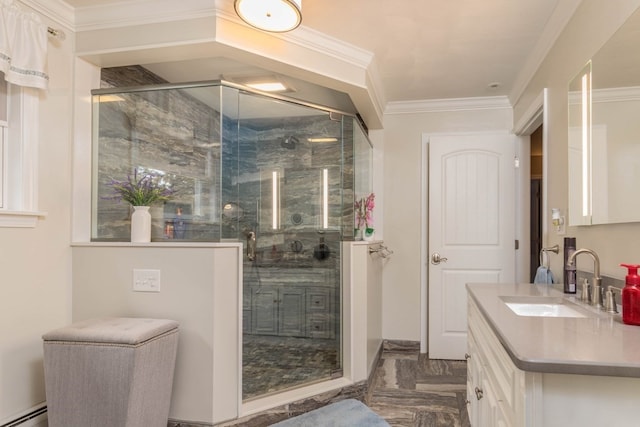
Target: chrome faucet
{"x": 596, "y": 289}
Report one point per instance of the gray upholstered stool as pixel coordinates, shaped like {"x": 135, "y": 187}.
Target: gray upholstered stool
{"x": 112, "y": 372}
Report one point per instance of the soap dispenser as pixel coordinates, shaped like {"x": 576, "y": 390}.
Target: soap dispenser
{"x": 631, "y": 296}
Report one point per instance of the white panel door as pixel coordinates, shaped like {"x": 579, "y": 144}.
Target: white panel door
{"x": 471, "y": 228}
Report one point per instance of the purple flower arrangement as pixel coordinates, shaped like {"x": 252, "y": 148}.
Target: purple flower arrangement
{"x": 141, "y": 190}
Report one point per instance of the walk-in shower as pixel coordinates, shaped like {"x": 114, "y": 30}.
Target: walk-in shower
{"x": 278, "y": 175}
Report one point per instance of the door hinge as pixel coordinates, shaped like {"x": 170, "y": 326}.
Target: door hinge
{"x": 516, "y": 162}
{"x": 517, "y": 244}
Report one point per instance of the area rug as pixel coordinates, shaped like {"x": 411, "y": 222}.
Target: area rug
{"x": 346, "y": 413}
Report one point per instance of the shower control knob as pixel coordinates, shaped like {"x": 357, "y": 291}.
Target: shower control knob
{"x": 437, "y": 259}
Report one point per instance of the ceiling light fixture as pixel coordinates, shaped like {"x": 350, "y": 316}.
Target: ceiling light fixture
{"x": 276, "y": 16}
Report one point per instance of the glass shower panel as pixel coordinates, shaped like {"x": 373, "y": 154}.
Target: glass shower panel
{"x": 362, "y": 166}
{"x": 172, "y": 133}
{"x": 289, "y": 186}
{"x": 277, "y": 175}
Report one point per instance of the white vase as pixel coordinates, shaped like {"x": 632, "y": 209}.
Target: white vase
{"x": 141, "y": 224}
{"x": 357, "y": 234}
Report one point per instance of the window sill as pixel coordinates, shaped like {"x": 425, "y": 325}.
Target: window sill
{"x": 20, "y": 219}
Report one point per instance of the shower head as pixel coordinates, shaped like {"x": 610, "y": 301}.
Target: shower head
{"x": 289, "y": 142}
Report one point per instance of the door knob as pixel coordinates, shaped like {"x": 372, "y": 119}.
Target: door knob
{"x": 479, "y": 393}
{"x": 437, "y": 259}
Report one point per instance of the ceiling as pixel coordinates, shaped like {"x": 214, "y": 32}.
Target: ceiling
{"x": 430, "y": 49}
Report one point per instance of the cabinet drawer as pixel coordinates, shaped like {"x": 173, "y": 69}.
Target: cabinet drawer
{"x": 319, "y": 301}
{"x": 320, "y": 326}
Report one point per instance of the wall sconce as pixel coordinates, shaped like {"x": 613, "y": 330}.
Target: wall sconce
{"x": 276, "y": 16}
{"x": 558, "y": 220}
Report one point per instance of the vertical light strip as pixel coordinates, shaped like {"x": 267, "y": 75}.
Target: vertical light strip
{"x": 325, "y": 198}
{"x": 274, "y": 199}
{"x": 585, "y": 145}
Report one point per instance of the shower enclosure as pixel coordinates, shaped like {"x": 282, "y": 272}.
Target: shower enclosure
{"x": 278, "y": 175}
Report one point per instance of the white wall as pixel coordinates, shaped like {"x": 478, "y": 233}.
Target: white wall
{"x": 362, "y": 316}
{"x": 402, "y": 222}
{"x": 199, "y": 288}
{"x": 35, "y": 276}
{"x": 591, "y": 26}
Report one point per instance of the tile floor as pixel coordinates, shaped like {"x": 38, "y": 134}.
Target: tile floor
{"x": 407, "y": 389}
{"x": 271, "y": 363}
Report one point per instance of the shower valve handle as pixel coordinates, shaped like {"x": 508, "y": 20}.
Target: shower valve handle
{"x": 251, "y": 246}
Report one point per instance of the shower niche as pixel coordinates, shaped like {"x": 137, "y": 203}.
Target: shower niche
{"x": 275, "y": 174}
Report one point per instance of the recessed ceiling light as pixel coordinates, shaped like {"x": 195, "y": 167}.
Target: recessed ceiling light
{"x": 269, "y": 83}
{"x": 268, "y": 86}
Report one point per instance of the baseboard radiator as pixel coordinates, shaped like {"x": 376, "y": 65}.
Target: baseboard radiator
{"x": 31, "y": 418}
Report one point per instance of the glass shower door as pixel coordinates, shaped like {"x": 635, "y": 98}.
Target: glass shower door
{"x": 288, "y": 181}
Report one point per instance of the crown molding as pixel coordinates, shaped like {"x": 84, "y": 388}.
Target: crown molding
{"x": 616, "y": 94}
{"x": 453, "y": 104}
{"x": 322, "y": 43}
{"x": 375, "y": 89}
{"x": 56, "y": 10}
{"x": 613, "y": 94}
{"x": 555, "y": 25}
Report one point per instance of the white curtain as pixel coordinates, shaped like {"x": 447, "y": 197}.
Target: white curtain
{"x": 23, "y": 46}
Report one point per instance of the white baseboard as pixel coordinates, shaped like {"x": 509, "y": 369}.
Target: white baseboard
{"x": 33, "y": 417}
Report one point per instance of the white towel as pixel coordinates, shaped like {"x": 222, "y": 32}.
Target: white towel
{"x": 23, "y": 47}
{"x": 543, "y": 275}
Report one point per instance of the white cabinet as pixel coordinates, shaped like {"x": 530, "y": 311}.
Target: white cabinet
{"x": 500, "y": 394}
{"x": 494, "y": 384}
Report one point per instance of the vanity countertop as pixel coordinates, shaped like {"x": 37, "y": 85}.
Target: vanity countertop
{"x": 596, "y": 345}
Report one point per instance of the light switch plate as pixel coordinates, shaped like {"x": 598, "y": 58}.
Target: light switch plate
{"x": 146, "y": 280}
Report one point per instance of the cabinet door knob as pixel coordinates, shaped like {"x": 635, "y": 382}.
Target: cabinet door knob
{"x": 467, "y": 356}
{"x": 478, "y": 393}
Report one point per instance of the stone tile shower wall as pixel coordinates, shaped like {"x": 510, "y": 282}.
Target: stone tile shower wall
{"x": 176, "y": 133}
{"x": 168, "y": 131}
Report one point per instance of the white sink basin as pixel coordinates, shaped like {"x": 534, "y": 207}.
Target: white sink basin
{"x": 544, "y": 307}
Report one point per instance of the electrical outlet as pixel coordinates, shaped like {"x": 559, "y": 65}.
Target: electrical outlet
{"x": 146, "y": 280}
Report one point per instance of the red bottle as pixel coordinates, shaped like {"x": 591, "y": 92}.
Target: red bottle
{"x": 631, "y": 296}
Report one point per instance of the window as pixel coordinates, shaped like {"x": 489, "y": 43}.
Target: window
{"x": 18, "y": 155}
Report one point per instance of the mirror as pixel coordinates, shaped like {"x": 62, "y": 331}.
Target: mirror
{"x": 604, "y": 140}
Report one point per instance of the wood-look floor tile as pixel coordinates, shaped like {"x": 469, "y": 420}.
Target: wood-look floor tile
{"x": 437, "y": 419}
{"x": 407, "y": 389}
{"x": 426, "y": 401}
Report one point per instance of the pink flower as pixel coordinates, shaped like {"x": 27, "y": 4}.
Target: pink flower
{"x": 364, "y": 210}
